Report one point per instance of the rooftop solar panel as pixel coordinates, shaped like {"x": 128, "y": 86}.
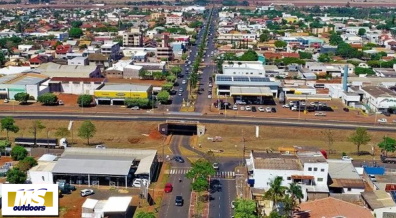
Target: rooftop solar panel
{"x": 223, "y": 78}
{"x": 241, "y": 79}
{"x": 258, "y": 79}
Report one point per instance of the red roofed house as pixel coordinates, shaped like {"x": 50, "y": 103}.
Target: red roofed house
{"x": 174, "y": 19}
{"x": 63, "y": 49}
{"x": 39, "y": 59}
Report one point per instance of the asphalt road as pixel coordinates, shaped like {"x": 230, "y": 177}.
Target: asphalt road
{"x": 186, "y": 69}
{"x": 168, "y": 208}
{"x": 220, "y": 199}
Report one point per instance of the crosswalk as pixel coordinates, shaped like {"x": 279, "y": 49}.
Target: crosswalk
{"x": 219, "y": 174}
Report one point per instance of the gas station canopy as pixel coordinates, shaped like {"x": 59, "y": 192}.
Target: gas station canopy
{"x": 250, "y": 91}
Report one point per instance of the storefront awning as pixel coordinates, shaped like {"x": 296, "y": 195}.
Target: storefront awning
{"x": 302, "y": 177}
{"x": 250, "y": 91}
{"x": 308, "y": 97}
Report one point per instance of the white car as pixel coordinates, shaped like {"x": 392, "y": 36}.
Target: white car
{"x": 320, "y": 114}
{"x": 286, "y": 106}
{"x": 184, "y": 81}
{"x": 135, "y": 108}
{"x": 215, "y": 166}
{"x": 261, "y": 109}
{"x": 209, "y": 96}
{"x": 101, "y": 147}
{"x": 347, "y": 158}
{"x": 382, "y": 120}
{"x": 248, "y": 108}
{"x": 242, "y": 108}
{"x": 232, "y": 204}
{"x": 268, "y": 109}
{"x": 235, "y": 107}
{"x": 6, "y": 100}
{"x": 86, "y": 192}
{"x": 138, "y": 183}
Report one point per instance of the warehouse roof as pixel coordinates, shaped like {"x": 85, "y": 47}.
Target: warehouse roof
{"x": 125, "y": 87}
{"x": 115, "y": 162}
{"x": 117, "y": 204}
{"x": 238, "y": 80}
{"x": 341, "y": 169}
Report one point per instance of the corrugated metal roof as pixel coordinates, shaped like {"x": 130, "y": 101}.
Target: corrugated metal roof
{"x": 340, "y": 169}
{"x": 92, "y": 167}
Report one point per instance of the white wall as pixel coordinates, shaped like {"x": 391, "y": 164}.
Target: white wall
{"x": 318, "y": 173}
{"x": 79, "y": 88}
{"x": 263, "y": 177}
{"x": 32, "y": 90}
{"x": 39, "y": 177}
{"x": 353, "y": 191}
{"x": 379, "y": 212}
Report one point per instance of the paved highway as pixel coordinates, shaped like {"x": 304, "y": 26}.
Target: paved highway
{"x": 202, "y": 119}
{"x": 168, "y": 208}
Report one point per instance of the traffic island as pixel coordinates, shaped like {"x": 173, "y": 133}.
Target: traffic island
{"x": 199, "y": 205}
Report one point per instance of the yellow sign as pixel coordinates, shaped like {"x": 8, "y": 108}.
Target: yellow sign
{"x": 120, "y": 94}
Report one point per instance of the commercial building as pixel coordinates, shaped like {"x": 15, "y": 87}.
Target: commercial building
{"x": 380, "y": 202}
{"x": 309, "y": 169}
{"x": 343, "y": 178}
{"x": 119, "y": 92}
{"x": 252, "y": 88}
{"x": 247, "y": 68}
{"x": 112, "y": 49}
{"x": 75, "y": 86}
{"x": 378, "y": 98}
{"x": 33, "y": 84}
{"x": 91, "y": 166}
{"x": 306, "y": 41}
{"x": 134, "y": 38}
{"x": 165, "y": 51}
{"x": 236, "y": 37}
{"x": 174, "y": 19}
{"x": 57, "y": 70}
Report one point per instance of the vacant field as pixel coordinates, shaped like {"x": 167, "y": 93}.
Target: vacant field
{"x": 124, "y": 134}
{"x": 274, "y": 137}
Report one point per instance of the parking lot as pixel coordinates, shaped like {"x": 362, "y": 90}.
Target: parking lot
{"x": 329, "y": 110}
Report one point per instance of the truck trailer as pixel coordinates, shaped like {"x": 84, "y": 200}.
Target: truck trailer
{"x": 386, "y": 159}
{"x": 41, "y": 142}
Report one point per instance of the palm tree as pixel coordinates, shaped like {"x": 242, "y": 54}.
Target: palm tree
{"x": 276, "y": 192}
{"x": 295, "y": 192}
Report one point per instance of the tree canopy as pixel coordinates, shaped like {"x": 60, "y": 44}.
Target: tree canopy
{"x": 75, "y": 32}
{"x": 200, "y": 171}
{"x": 18, "y": 153}
{"x": 362, "y": 32}
{"x": 387, "y": 144}
{"x": 335, "y": 39}
{"x": 280, "y": 44}
{"x": 84, "y": 100}
{"x": 22, "y": 97}
{"x": 360, "y": 137}
{"x": 245, "y": 209}
{"x": 8, "y": 124}
{"x": 48, "y": 99}
{"x": 87, "y": 130}
{"x": 16, "y": 176}
{"x": 163, "y": 97}
{"x": 249, "y": 55}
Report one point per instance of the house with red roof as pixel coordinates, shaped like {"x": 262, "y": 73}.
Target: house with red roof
{"x": 39, "y": 59}
{"x": 63, "y": 49}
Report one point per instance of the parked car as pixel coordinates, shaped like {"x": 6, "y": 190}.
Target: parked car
{"x": 386, "y": 113}
{"x": 268, "y": 109}
{"x": 347, "y": 158}
{"x": 242, "y": 108}
{"x": 372, "y": 178}
{"x": 261, "y": 109}
{"x": 235, "y": 107}
{"x": 138, "y": 182}
{"x": 178, "y": 159}
{"x": 210, "y": 96}
{"x": 6, "y": 100}
{"x": 168, "y": 188}
{"x": 180, "y": 93}
{"x": 60, "y": 102}
{"x": 232, "y": 204}
{"x": 179, "y": 201}
{"x": 248, "y": 108}
{"x": 320, "y": 114}
{"x": 382, "y": 120}
{"x": 254, "y": 109}
{"x": 314, "y": 103}
{"x": 286, "y": 106}
{"x": 345, "y": 109}
{"x": 240, "y": 102}
{"x": 273, "y": 110}
{"x": 100, "y": 147}
{"x": 184, "y": 81}
{"x": 86, "y": 192}
{"x": 135, "y": 108}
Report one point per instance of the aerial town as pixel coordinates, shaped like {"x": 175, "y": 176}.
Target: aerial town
{"x": 199, "y": 109}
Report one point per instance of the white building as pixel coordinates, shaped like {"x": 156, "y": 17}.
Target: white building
{"x": 379, "y": 98}
{"x": 111, "y": 49}
{"x": 354, "y": 29}
{"x": 78, "y": 61}
{"x": 42, "y": 173}
{"x": 251, "y": 68}
{"x": 75, "y": 86}
{"x": 174, "y": 19}
{"x": 308, "y": 169}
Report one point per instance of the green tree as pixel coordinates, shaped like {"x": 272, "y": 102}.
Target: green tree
{"x": 245, "y": 209}
{"x": 184, "y": 56}
{"x": 193, "y": 80}
{"x": 163, "y": 97}
{"x": 22, "y": 97}
{"x": 324, "y": 58}
{"x": 200, "y": 171}
{"x": 15, "y": 176}
{"x": 335, "y": 39}
{"x": 62, "y": 132}
{"x": 35, "y": 128}
{"x": 167, "y": 86}
{"x": 265, "y": 36}
{"x": 275, "y": 214}
{"x": 362, "y": 32}
{"x": 76, "y": 23}
{"x": 305, "y": 55}
{"x": 360, "y": 137}
{"x": 8, "y": 124}
{"x": 249, "y": 55}
{"x": 140, "y": 102}
{"x": 18, "y": 153}
{"x": 2, "y": 59}
{"x": 27, "y": 163}
{"x": 48, "y": 99}
{"x": 87, "y": 130}
{"x": 142, "y": 214}
{"x": 276, "y": 192}
{"x": 176, "y": 70}
{"x": 75, "y": 32}
{"x": 280, "y": 44}
{"x": 387, "y": 144}
{"x": 84, "y": 100}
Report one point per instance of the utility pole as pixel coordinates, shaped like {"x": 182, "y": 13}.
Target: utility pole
{"x": 243, "y": 148}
